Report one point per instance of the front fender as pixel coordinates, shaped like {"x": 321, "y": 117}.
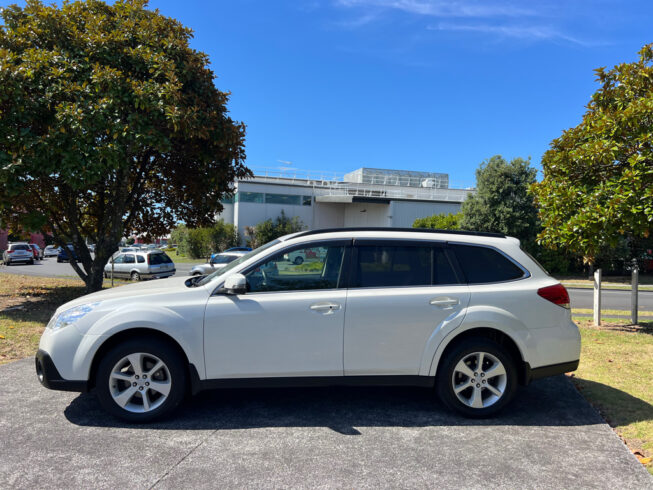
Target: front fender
{"x": 487, "y": 317}
{"x": 184, "y": 327}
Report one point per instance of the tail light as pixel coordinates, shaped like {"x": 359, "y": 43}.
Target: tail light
{"x": 556, "y": 294}
{"x": 10, "y": 251}
{"x": 148, "y": 259}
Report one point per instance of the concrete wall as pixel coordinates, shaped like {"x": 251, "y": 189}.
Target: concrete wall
{"x": 404, "y": 213}
{"x": 328, "y": 215}
{"x": 367, "y": 214}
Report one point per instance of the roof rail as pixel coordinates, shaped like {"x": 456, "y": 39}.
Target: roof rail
{"x": 413, "y": 230}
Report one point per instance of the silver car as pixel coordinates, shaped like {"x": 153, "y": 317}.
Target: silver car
{"x": 18, "y": 252}
{"x": 137, "y": 265}
{"x": 51, "y": 251}
{"x": 217, "y": 262}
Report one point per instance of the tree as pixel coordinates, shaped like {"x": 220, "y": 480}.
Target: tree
{"x": 439, "y": 222}
{"x": 598, "y": 176}
{"x": 109, "y": 124}
{"x": 502, "y": 202}
{"x": 268, "y": 230}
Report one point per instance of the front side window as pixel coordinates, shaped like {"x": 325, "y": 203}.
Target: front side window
{"x": 304, "y": 268}
{"x": 483, "y": 265}
{"x": 119, "y": 260}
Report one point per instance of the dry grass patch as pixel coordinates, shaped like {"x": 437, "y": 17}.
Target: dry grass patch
{"x": 26, "y": 305}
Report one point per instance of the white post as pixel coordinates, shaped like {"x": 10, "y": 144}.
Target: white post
{"x": 633, "y": 293}
{"x": 597, "y": 297}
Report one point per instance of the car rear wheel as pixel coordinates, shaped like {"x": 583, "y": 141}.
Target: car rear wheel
{"x": 298, "y": 261}
{"x": 141, "y": 380}
{"x": 135, "y": 276}
{"x": 477, "y": 378}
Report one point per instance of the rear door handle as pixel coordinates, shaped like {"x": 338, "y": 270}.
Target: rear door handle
{"x": 325, "y": 307}
{"x": 445, "y": 303}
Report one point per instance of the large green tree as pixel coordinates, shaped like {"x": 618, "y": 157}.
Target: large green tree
{"x": 109, "y": 123}
{"x": 598, "y": 177}
{"x": 502, "y": 202}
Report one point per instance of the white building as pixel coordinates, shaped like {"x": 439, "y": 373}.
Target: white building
{"x": 365, "y": 197}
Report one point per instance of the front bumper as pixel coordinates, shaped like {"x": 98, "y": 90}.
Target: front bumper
{"x": 49, "y": 376}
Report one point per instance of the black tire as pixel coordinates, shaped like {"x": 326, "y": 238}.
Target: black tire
{"x": 59, "y": 261}
{"x": 31, "y": 262}
{"x": 298, "y": 261}
{"x": 152, "y": 346}
{"x": 461, "y": 351}
{"x": 135, "y": 276}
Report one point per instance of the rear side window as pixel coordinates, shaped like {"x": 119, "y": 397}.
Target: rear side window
{"x": 402, "y": 265}
{"x": 483, "y": 265}
{"x": 158, "y": 259}
{"x": 140, "y": 259}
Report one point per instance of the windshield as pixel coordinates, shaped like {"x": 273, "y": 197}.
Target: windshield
{"x": 235, "y": 263}
{"x": 223, "y": 259}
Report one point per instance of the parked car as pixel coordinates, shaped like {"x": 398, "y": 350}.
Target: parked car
{"x": 239, "y": 249}
{"x": 38, "y": 252}
{"x": 137, "y": 265}
{"x": 18, "y": 252}
{"x": 298, "y": 257}
{"x": 218, "y": 261}
{"x": 469, "y": 315}
{"x": 51, "y": 251}
{"x": 65, "y": 253}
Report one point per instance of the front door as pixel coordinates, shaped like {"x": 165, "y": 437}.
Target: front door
{"x": 289, "y": 323}
{"x": 401, "y": 296}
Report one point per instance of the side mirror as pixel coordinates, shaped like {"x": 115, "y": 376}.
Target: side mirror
{"x": 234, "y": 284}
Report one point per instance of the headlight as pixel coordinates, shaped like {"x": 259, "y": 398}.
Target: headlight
{"x": 70, "y": 316}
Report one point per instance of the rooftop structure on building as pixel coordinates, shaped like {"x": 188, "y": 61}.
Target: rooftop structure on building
{"x": 364, "y": 197}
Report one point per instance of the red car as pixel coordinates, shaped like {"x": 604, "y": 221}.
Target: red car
{"x": 36, "y": 250}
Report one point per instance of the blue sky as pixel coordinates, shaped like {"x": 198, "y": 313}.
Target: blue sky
{"x": 433, "y": 85}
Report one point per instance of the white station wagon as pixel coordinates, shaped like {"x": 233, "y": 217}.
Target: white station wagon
{"x": 469, "y": 315}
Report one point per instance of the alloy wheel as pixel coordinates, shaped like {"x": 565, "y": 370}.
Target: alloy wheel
{"x": 140, "y": 382}
{"x": 479, "y": 379}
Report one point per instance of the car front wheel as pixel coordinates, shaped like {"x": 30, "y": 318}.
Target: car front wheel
{"x": 477, "y": 378}
{"x": 141, "y": 380}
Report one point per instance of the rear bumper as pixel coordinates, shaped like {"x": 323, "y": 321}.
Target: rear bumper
{"x": 159, "y": 275}
{"x": 546, "y": 371}
{"x": 49, "y": 376}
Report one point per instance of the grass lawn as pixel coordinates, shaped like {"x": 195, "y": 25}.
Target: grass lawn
{"x": 608, "y": 282}
{"x": 607, "y": 313}
{"x": 184, "y": 259}
{"x": 614, "y": 375}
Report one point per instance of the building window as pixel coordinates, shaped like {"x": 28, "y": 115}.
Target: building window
{"x": 283, "y": 199}
{"x": 227, "y": 199}
{"x": 307, "y": 200}
{"x": 250, "y": 197}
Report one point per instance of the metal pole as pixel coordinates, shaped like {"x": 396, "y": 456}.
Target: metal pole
{"x": 597, "y": 297}
{"x": 633, "y": 293}
{"x": 112, "y": 271}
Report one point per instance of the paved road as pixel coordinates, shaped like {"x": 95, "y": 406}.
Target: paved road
{"x": 610, "y": 299}
{"x": 50, "y": 268}
{"x": 354, "y": 438}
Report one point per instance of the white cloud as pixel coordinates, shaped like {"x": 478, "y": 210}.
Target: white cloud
{"x": 543, "y": 33}
{"x": 444, "y": 8}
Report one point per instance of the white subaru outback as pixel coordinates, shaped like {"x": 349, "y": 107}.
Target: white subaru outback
{"x": 468, "y": 314}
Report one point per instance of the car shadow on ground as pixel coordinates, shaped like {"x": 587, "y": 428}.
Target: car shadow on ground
{"x": 547, "y": 402}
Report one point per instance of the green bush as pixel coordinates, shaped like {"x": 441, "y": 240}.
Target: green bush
{"x": 439, "y": 222}
{"x": 268, "y": 230}
{"x": 199, "y": 243}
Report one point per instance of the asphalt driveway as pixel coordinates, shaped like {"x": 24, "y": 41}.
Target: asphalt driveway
{"x": 327, "y": 437}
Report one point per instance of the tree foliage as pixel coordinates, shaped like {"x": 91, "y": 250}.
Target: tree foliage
{"x": 502, "y": 202}
{"x": 598, "y": 176}
{"x": 439, "y": 222}
{"x": 109, "y": 124}
{"x": 268, "y": 230}
{"x": 202, "y": 242}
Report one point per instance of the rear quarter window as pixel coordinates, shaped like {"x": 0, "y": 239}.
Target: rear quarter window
{"x": 482, "y": 265}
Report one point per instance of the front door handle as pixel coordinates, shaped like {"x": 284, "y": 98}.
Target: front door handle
{"x": 325, "y": 307}
{"x": 444, "y": 302}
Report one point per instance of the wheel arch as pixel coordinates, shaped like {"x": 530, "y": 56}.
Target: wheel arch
{"x": 494, "y": 334}
{"x": 128, "y": 334}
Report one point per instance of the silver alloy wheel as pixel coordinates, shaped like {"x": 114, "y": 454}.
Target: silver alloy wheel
{"x": 140, "y": 382}
{"x": 479, "y": 380}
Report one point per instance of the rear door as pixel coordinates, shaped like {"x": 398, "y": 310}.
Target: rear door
{"x": 401, "y": 294}
{"x": 160, "y": 263}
